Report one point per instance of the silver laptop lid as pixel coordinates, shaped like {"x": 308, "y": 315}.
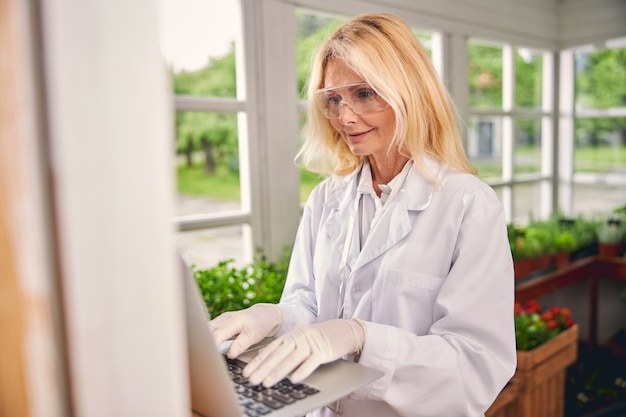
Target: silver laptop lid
{"x": 212, "y": 392}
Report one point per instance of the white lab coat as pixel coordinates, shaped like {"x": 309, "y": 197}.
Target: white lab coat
{"x": 433, "y": 283}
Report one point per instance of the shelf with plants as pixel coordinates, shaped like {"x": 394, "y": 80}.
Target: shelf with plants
{"x": 544, "y": 245}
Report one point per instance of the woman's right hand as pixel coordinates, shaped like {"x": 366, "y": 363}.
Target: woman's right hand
{"x": 247, "y": 327}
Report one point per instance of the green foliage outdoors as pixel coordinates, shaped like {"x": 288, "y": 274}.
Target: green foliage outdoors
{"x": 226, "y": 287}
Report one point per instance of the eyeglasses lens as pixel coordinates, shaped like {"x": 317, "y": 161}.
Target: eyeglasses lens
{"x": 360, "y": 98}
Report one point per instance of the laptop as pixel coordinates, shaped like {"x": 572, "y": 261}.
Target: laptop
{"x": 214, "y": 392}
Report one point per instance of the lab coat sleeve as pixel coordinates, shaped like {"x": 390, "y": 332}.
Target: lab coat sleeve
{"x": 469, "y": 354}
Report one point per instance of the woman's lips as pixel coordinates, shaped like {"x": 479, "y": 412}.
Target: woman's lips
{"x": 357, "y": 136}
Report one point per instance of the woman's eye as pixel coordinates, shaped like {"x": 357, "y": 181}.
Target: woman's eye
{"x": 365, "y": 94}
{"x": 333, "y": 100}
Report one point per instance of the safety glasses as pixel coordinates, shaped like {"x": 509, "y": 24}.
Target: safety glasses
{"x": 359, "y": 97}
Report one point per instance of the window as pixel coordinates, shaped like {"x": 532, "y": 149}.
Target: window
{"x": 509, "y": 126}
{"x": 599, "y": 129}
{"x": 202, "y": 60}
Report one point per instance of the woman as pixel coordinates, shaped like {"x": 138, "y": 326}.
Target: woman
{"x": 401, "y": 260}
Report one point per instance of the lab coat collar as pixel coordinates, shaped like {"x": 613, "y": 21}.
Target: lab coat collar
{"x": 415, "y": 195}
{"x": 417, "y": 188}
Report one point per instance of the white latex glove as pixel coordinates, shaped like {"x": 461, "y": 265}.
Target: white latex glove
{"x": 303, "y": 349}
{"x": 247, "y": 326}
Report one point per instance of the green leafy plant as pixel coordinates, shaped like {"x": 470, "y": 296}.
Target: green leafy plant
{"x": 535, "y": 325}
{"x": 525, "y": 243}
{"x": 556, "y": 234}
{"x": 226, "y": 287}
{"x": 564, "y": 241}
{"x": 584, "y": 231}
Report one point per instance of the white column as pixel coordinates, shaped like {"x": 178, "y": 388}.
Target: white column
{"x": 111, "y": 138}
{"x": 269, "y": 44}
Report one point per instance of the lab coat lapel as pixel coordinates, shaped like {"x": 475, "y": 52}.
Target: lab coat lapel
{"x": 397, "y": 220}
{"x": 340, "y": 204}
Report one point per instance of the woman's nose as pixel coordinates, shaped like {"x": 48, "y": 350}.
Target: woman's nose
{"x": 346, "y": 115}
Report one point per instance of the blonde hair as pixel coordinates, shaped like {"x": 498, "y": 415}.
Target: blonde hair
{"x": 383, "y": 50}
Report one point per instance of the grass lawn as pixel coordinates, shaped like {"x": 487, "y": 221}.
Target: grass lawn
{"x": 224, "y": 184}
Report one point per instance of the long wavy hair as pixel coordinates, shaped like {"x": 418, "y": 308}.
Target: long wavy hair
{"x": 384, "y": 51}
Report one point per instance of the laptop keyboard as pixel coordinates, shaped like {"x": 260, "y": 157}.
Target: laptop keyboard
{"x": 257, "y": 400}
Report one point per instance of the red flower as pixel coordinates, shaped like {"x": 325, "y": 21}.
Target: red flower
{"x": 533, "y": 306}
{"x": 535, "y": 325}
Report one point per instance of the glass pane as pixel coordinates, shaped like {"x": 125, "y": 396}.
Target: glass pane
{"x": 527, "y": 146}
{"x": 198, "y": 45}
{"x": 485, "y": 76}
{"x": 528, "y": 78}
{"x": 600, "y": 145}
{"x": 206, "y": 248}
{"x": 311, "y": 30}
{"x": 601, "y": 79}
{"x": 484, "y": 145}
{"x": 526, "y": 202}
{"x": 207, "y": 162}
{"x": 593, "y": 199}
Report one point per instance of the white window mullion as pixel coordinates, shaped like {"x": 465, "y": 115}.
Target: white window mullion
{"x": 508, "y": 127}
{"x": 566, "y": 131}
{"x": 548, "y": 162}
{"x": 272, "y": 102}
{"x": 451, "y": 48}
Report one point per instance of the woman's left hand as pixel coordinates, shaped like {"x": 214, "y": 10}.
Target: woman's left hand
{"x": 303, "y": 349}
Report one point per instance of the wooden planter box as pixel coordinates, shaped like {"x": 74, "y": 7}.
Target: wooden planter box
{"x": 538, "y": 386}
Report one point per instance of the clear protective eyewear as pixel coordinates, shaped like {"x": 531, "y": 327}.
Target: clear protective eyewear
{"x": 359, "y": 97}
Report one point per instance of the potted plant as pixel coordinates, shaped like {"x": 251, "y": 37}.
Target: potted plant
{"x": 584, "y": 230}
{"x": 535, "y": 325}
{"x": 610, "y": 234}
{"x": 561, "y": 240}
{"x": 547, "y": 343}
{"x": 564, "y": 244}
{"x": 525, "y": 248}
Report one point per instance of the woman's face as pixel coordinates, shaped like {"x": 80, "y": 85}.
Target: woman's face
{"x": 368, "y": 134}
